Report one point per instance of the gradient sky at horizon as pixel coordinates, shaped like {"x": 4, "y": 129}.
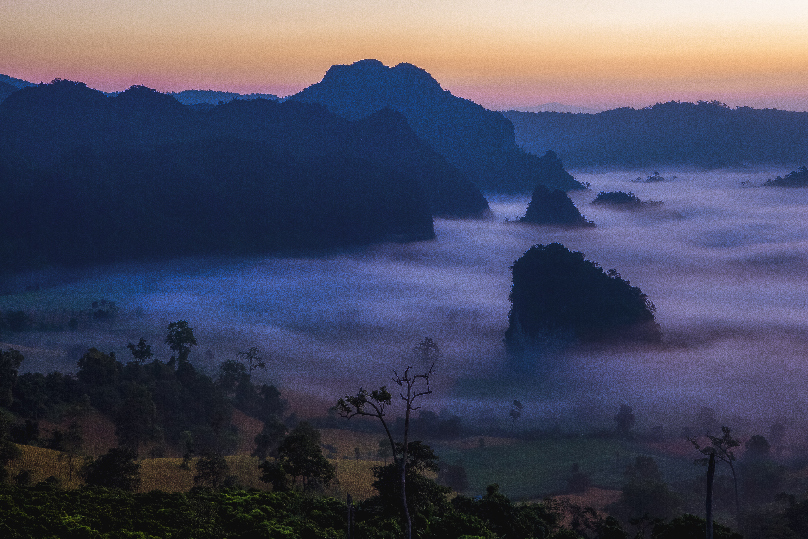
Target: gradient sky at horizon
{"x": 506, "y": 54}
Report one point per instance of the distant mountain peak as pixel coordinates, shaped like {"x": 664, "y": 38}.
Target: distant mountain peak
{"x": 369, "y": 73}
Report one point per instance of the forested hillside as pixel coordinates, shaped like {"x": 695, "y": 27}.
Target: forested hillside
{"x": 90, "y": 178}
{"x": 703, "y": 134}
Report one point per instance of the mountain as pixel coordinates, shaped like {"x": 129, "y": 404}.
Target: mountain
{"x": 17, "y": 83}
{"x": 6, "y": 90}
{"x": 478, "y": 141}
{"x": 553, "y": 207}
{"x": 155, "y": 178}
{"x": 558, "y": 296}
{"x": 9, "y": 85}
{"x": 52, "y": 120}
{"x": 704, "y": 134}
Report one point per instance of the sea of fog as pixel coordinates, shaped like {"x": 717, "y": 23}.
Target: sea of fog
{"x": 725, "y": 265}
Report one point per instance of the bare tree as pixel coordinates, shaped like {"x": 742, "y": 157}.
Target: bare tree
{"x": 374, "y": 404}
{"x": 253, "y": 359}
{"x": 721, "y": 448}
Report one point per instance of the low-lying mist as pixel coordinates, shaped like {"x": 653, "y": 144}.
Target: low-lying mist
{"x": 724, "y": 264}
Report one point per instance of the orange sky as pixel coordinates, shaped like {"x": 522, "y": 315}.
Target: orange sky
{"x": 504, "y": 54}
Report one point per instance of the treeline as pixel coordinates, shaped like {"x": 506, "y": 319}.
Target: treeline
{"x": 159, "y": 405}
{"x": 703, "y": 134}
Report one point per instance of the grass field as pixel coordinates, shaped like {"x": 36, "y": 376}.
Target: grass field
{"x": 524, "y": 469}
{"x": 533, "y": 469}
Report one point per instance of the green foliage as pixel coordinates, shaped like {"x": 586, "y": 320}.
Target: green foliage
{"x": 621, "y": 200}
{"x": 114, "y": 469}
{"x": 211, "y": 471}
{"x": 269, "y": 439}
{"x": 553, "y": 207}
{"x": 423, "y": 493}
{"x": 97, "y": 369}
{"x": 506, "y": 519}
{"x": 690, "y": 527}
{"x": 180, "y": 339}
{"x": 298, "y": 456}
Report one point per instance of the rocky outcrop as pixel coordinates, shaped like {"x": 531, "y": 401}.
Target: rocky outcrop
{"x": 559, "y": 296}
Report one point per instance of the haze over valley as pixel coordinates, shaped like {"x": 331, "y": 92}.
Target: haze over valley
{"x": 723, "y": 264}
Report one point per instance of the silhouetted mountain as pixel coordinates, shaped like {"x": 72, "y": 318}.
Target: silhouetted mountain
{"x": 212, "y": 97}
{"x": 706, "y": 134}
{"x": 386, "y": 137}
{"x": 553, "y": 207}
{"x": 6, "y": 90}
{"x": 479, "y": 142}
{"x": 52, "y": 120}
{"x": 17, "y": 83}
{"x": 557, "y": 295}
{"x": 97, "y": 178}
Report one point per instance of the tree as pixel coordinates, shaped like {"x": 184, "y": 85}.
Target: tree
{"x": 269, "y": 439}
{"x": 374, "y": 404}
{"x": 114, "y": 469}
{"x": 757, "y": 447}
{"x": 422, "y": 491}
{"x": 211, "y": 471}
{"x": 98, "y": 369}
{"x": 645, "y": 496}
{"x": 300, "y": 456}
{"x": 453, "y": 476}
{"x": 231, "y": 374}
{"x": 253, "y": 359}
{"x": 141, "y": 352}
{"x": 180, "y": 339}
{"x": 136, "y": 420}
{"x": 721, "y": 448}
{"x": 426, "y": 352}
{"x": 10, "y": 361}
{"x": 8, "y": 450}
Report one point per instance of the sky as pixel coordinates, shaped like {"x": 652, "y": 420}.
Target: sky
{"x": 507, "y": 54}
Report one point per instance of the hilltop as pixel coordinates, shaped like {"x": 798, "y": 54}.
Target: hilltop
{"x": 478, "y": 141}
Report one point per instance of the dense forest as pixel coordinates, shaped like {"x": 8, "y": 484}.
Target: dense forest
{"x": 703, "y": 134}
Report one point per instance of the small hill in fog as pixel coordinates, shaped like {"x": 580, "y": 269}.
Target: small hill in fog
{"x": 553, "y": 207}
{"x": 703, "y": 134}
{"x": 620, "y": 200}
{"x": 796, "y": 178}
{"x": 559, "y": 295}
{"x": 478, "y": 141}
{"x": 550, "y": 206}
